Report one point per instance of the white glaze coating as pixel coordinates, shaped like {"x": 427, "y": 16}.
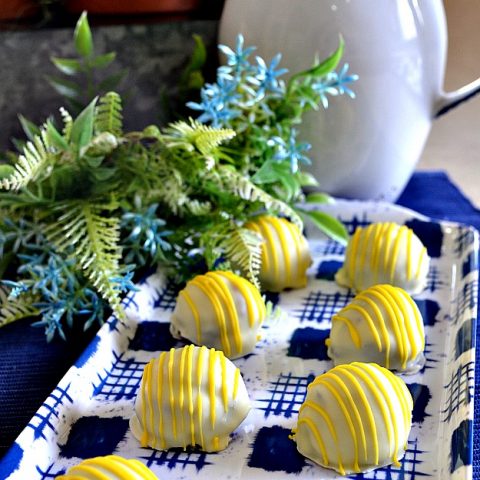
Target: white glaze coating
{"x": 384, "y": 253}
{"x": 219, "y": 310}
{"x": 285, "y": 253}
{"x": 189, "y": 396}
{"x": 110, "y": 467}
{"x": 381, "y": 325}
{"x": 355, "y": 418}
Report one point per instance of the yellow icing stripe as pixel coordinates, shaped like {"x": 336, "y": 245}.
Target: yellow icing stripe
{"x": 161, "y": 362}
{"x": 228, "y": 304}
{"x": 396, "y": 248}
{"x": 223, "y": 365}
{"x": 150, "y": 402}
{"x": 365, "y": 376}
{"x": 389, "y": 417}
{"x": 357, "y": 341}
{"x": 211, "y": 384}
{"x": 409, "y": 253}
{"x": 322, "y": 412}
{"x": 243, "y": 286}
{"x": 401, "y": 396}
{"x": 418, "y": 318}
{"x": 200, "y": 359}
{"x": 170, "y": 387}
{"x": 265, "y": 260}
{"x": 144, "y": 439}
{"x": 420, "y": 262}
{"x": 204, "y": 284}
{"x": 181, "y": 399}
{"x": 363, "y": 252}
{"x": 278, "y": 226}
{"x": 399, "y": 296}
{"x": 353, "y": 254}
{"x": 387, "y": 244}
{"x": 190, "y": 392}
{"x": 380, "y": 322}
{"x": 236, "y": 381}
{"x": 195, "y": 314}
{"x": 313, "y": 428}
{"x": 380, "y": 229}
{"x": 265, "y": 232}
{"x": 363, "y": 312}
{"x": 378, "y": 293}
{"x": 323, "y": 381}
{"x": 90, "y": 471}
{"x": 353, "y": 408}
{"x": 388, "y": 294}
{"x": 133, "y": 465}
{"x": 345, "y": 370}
{"x": 296, "y": 237}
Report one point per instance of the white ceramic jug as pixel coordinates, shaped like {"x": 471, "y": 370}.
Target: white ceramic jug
{"x": 367, "y": 147}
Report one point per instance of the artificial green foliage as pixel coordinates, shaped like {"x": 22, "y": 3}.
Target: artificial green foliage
{"x": 82, "y": 77}
{"x": 85, "y": 203}
{"x": 84, "y": 200}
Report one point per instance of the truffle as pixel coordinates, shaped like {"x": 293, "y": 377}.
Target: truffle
{"x": 191, "y": 396}
{"x": 285, "y": 253}
{"x": 384, "y": 253}
{"x": 219, "y": 310}
{"x": 355, "y": 418}
{"x": 382, "y": 325}
{"x": 111, "y": 467}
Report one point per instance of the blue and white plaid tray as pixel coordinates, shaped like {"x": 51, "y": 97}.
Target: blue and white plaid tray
{"x": 88, "y": 413}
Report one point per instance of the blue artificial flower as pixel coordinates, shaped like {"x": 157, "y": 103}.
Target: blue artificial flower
{"x": 335, "y": 84}
{"x": 266, "y": 77}
{"x": 218, "y": 101}
{"x": 237, "y": 61}
{"x": 291, "y": 150}
{"x": 146, "y": 235}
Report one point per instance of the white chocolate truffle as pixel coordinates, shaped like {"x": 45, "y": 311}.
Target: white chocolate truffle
{"x": 384, "y": 253}
{"x": 381, "y": 325}
{"x": 285, "y": 253}
{"x": 355, "y": 418}
{"x": 111, "y": 467}
{"x": 189, "y": 396}
{"x": 220, "y": 310}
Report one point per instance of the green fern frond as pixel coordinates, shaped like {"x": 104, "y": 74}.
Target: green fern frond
{"x": 35, "y": 159}
{"x": 196, "y": 135}
{"x": 91, "y": 235}
{"x": 108, "y": 115}
{"x": 244, "y": 188}
{"x": 15, "y": 309}
{"x": 243, "y": 248}
{"x": 67, "y": 123}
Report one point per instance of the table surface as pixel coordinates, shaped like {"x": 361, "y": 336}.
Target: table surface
{"x": 30, "y": 368}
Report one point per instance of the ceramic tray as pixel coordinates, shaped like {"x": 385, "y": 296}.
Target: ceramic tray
{"x": 88, "y": 413}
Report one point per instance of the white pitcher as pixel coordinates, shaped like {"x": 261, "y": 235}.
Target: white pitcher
{"x": 368, "y": 147}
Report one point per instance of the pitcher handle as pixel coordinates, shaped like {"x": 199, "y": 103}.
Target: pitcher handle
{"x": 449, "y": 100}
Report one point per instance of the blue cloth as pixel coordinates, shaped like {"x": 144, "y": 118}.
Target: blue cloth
{"x": 30, "y": 368}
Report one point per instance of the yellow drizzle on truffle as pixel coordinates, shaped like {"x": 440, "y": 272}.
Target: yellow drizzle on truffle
{"x": 384, "y": 253}
{"x": 235, "y": 312}
{"x": 285, "y": 255}
{"x": 199, "y": 381}
{"x": 381, "y": 319}
{"x": 110, "y": 467}
{"x": 355, "y": 417}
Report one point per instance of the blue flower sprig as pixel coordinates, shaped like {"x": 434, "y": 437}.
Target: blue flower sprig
{"x": 252, "y": 98}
